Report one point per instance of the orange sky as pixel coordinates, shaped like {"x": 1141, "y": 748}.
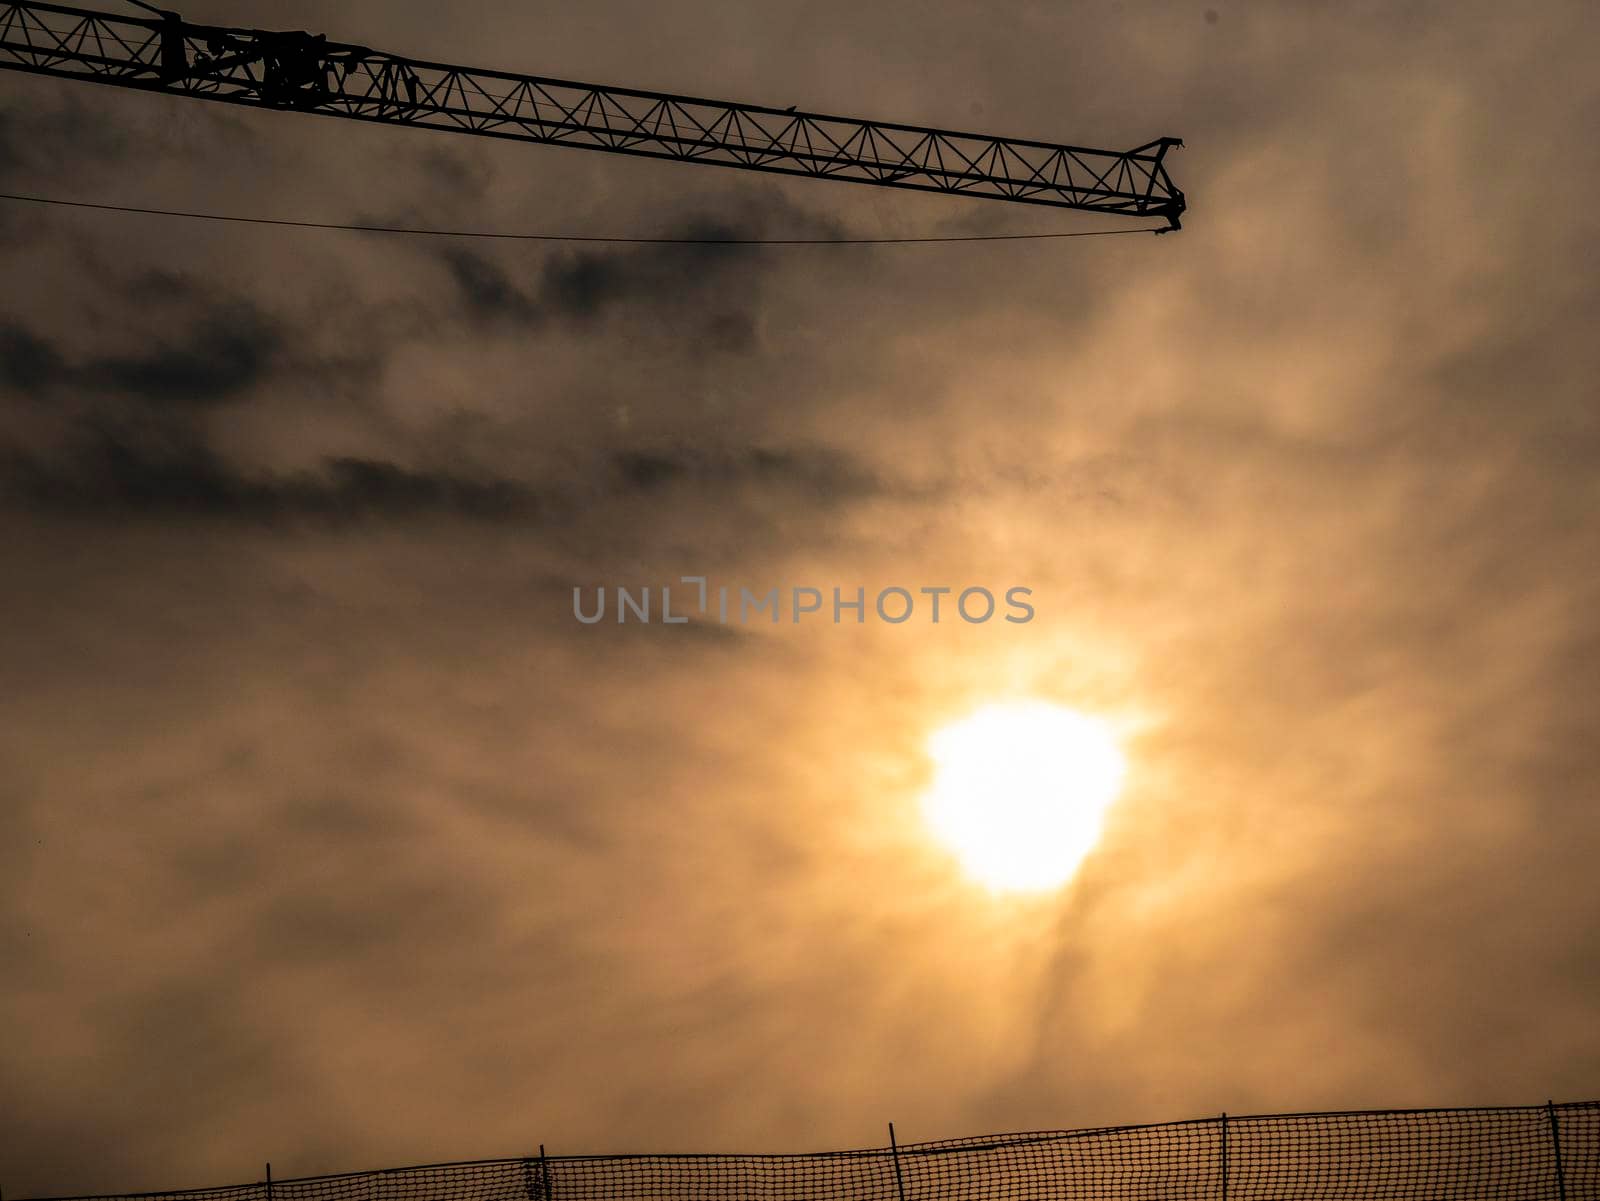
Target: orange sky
{"x": 327, "y": 836}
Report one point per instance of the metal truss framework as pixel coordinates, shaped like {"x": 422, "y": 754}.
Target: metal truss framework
{"x": 308, "y": 73}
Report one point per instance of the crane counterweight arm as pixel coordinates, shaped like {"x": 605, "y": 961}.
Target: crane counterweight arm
{"x": 308, "y": 73}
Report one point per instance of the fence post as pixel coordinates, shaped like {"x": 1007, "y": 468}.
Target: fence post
{"x": 1224, "y": 1156}
{"x": 1555, "y": 1138}
{"x": 544, "y": 1173}
{"x": 894, "y": 1152}
{"x": 269, "y": 1181}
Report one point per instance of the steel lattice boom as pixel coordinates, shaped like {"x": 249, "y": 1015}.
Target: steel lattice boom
{"x": 308, "y": 73}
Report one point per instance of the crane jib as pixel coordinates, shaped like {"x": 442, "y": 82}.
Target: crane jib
{"x": 309, "y": 73}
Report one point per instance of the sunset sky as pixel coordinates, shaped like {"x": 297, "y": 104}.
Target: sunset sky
{"x": 329, "y": 837}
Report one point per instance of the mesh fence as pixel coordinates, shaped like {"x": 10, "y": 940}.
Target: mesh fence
{"x": 1538, "y": 1153}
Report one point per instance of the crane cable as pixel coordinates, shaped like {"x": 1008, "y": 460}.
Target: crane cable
{"x": 522, "y": 237}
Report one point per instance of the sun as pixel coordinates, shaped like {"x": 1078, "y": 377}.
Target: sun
{"x": 1020, "y": 792}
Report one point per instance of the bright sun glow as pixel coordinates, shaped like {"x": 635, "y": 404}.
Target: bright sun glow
{"x": 1020, "y": 792}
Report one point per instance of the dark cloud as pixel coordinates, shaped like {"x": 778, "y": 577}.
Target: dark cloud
{"x": 28, "y": 363}
{"x": 488, "y": 289}
{"x": 153, "y": 473}
{"x": 165, "y": 286}
{"x": 465, "y": 175}
{"x": 154, "y": 470}
{"x": 65, "y": 129}
{"x": 577, "y": 286}
{"x": 224, "y": 354}
{"x": 60, "y": 135}
{"x": 819, "y": 474}
{"x": 711, "y": 290}
{"x": 584, "y": 284}
{"x": 10, "y": 153}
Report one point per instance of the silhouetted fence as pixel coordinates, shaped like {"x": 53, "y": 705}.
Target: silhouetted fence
{"x": 1537, "y": 1153}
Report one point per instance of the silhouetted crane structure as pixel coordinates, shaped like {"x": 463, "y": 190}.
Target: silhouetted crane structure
{"x": 308, "y": 73}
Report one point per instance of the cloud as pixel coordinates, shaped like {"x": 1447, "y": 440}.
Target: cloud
{"x": 707, "y": 293}
{"x": 63, "y": 130}
{"x": 330, "y": 836}
{"x": 225, "y": 353}
{"x": 487, "y": 289}
{"x": 818, "y": 474}
{"x": 60, "y": 134}
{"x": 165, "y": 470}
{"x": 28, "y": 363}
{"x": 113, "y": 472}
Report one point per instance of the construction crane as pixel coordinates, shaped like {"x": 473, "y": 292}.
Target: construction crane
{"x": 308, "y": 73}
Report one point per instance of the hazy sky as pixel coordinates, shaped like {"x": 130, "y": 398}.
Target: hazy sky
{"x": 329, "y": 837}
